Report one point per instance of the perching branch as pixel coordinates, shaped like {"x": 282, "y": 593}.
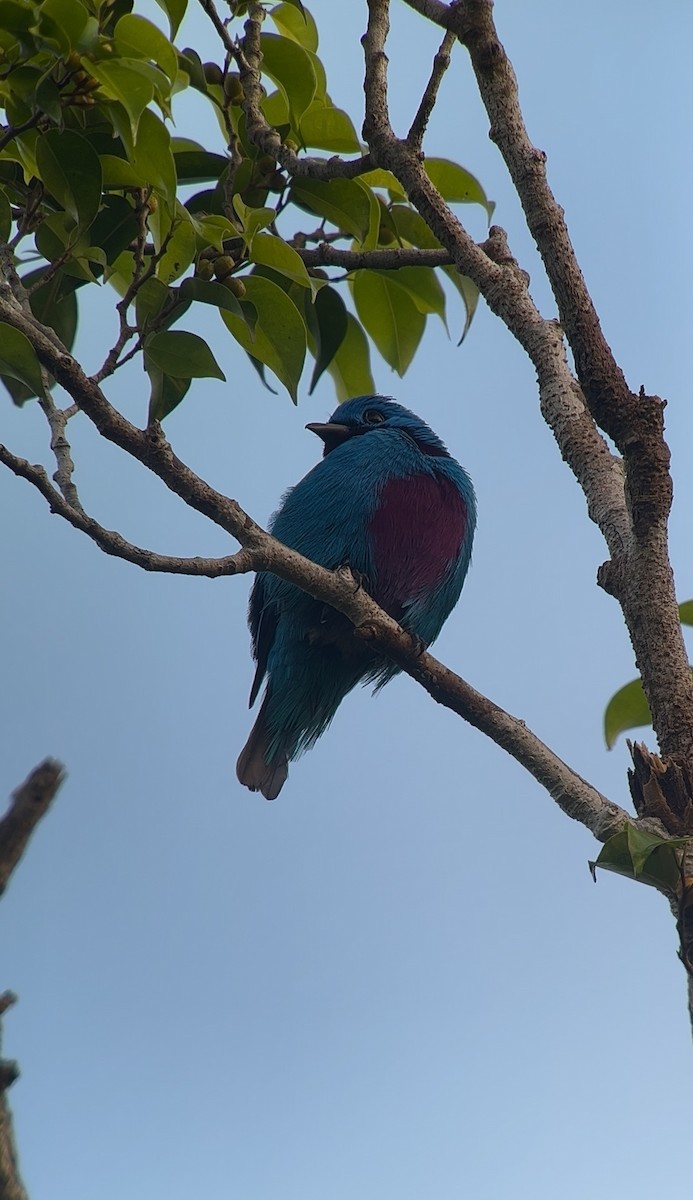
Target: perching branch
{"x": 262, "y": 552}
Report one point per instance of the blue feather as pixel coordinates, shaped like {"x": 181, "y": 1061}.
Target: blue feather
{"x": 388, "y": 500}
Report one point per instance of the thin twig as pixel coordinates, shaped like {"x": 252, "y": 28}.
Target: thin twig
{"x": 261, "y": 134}
{"x": 113, "y": 543}
{"x": 54, "y": 415}
{"x": 13, "y": 131}
{"x": 325, "y": 255}
{"x": 441, "y": 62}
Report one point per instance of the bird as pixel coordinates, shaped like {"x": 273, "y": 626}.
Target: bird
{"x": 388, "y": 501}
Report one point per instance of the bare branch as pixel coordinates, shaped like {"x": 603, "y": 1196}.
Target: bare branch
{"x": 113, "y": 543}
{"x": 28, "y": 804}
{"x": 11, "y": 1186}
{"x": 17, "y": 295}
{"x": 441, "y": 62}
{"x": 634, "y": 517}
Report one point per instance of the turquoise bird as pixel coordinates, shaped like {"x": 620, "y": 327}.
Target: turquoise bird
{"x": 388, "y": 500}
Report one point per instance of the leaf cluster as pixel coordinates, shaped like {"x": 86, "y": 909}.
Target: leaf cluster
{"x": 95, "y": 190}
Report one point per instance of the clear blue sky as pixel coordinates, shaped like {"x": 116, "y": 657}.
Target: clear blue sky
{"x": 398, "y": 981}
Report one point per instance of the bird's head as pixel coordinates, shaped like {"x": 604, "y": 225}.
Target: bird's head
{"x": 375, "y": 415}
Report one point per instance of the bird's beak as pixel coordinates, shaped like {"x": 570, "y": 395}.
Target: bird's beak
{"x": 331, "y": 433}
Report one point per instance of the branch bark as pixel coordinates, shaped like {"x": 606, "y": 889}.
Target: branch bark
{"x": 633, "y": 511}
{"x": 28, "y": 804}
{"x": 11, "y": 1186}
{"x": 639, "y": 575}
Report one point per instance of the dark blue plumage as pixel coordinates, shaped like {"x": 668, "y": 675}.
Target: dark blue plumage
{"x": 388, "y": 500}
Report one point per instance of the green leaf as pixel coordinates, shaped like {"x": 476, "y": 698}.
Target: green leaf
{"x": 627, "y": 709}
{"x": 686, "y": 612}
{"x": 326, "y": 127}
{"x": 153, "y": 158}
{"x": 351, "y": 366}
{"x": 183, "y": 355}
{"x": 166, "y": 393}
{"x": 198, "y": 166}
{"x": 457, "y": 185}
{"x": 252, "y": 219}
{"x": 212, "y": 231}
{"x": 152, "y": 297}
{"x": 180, "y": 250}
{"x": 641, "y": 845}
{"x": 175, "y": 11}
{"x": 279, "y": 340}
{"x": 380, "y": 178}
{"x": 121, "y": 81}
{"x": 62, "y": 21}
{"x": 412, "y": 228}
{"x": 469, "y": 293}
{"x": 329, "y": 330}
{"x": 422, "y": 284}
{"x": 269, "y": 251}
{"x": 639, "y": 855}
{"x": 18, "y": 358}
{"x": 291, "y": 69}
{"x": 70, "y": 169}
{"x": 136, "y": 37}
{"x": 5, "y": 217}
{"x": 341, "y": 201}
{"x": 389, "y": 316}
{"x": 119, "y": 173}
{"x": 296, "y": 24}
{"x": 115, "y": 227}
{"x": 15, "y": 17}
{"x": 208, "y": 292}
{"x": 370, "y": 241}
{"x": 54, "y": 304}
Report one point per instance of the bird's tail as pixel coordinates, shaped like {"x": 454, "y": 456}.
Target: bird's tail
{"x": 252, "y": 767}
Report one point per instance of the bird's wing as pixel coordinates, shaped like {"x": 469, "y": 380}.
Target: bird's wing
{"x": 263, "y": 616}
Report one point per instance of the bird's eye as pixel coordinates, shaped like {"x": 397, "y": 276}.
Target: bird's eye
{"x": 373, "y": 417}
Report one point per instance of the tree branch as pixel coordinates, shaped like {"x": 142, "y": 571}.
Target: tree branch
{"x": 28, "y": 804}
{"x": 11, "y": 1186}
{"x": 262, "y": 552}
{"x": 632, "y": 514}
{"x": 441, "y": 62}
{"x": 326, "y": 255}
{"x": 248, "y": 58}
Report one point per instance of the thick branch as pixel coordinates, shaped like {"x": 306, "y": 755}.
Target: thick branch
{"x": 28, "y": 804}
{"x": 11, "y": 1186}
{"x": 632, "y": 518}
